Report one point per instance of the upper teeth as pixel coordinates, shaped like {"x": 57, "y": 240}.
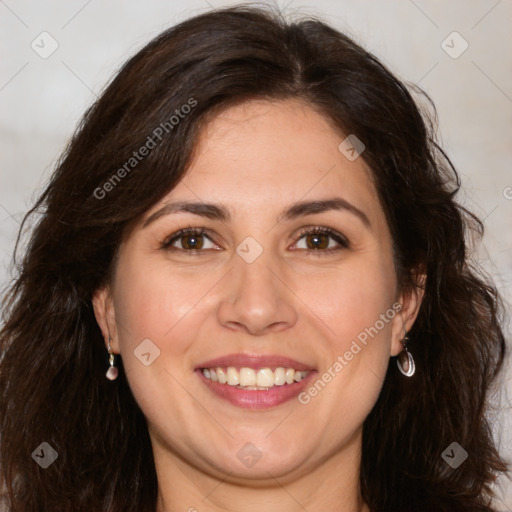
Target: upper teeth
{"x": 257, "y": 379}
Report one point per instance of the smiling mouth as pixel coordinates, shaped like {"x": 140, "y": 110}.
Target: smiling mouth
{"x": 255, "y": 388}
{"x": 254, "y": 379}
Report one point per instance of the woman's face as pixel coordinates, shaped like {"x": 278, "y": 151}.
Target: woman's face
{"x": 292, "y": 270}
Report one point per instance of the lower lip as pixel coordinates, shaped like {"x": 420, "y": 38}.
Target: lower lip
{"x": 255, "y": 399}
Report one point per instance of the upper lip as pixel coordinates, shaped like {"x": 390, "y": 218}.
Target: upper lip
{"x": 255, "y": 361}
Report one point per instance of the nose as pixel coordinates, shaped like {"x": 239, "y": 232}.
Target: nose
{"x": 257, "y": 299}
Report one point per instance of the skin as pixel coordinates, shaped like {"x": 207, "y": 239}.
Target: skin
{"x": 257, "y": 159}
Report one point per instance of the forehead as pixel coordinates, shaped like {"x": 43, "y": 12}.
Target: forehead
{"x": 264, "y": 153}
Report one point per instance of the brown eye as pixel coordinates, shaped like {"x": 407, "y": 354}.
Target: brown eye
{"x": 189, "y": 240}
{"x": 317, "y": 241}
{"x": 192, "y": 241}
{"x": 322, "y": 240}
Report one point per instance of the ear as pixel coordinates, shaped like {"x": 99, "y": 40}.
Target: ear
{"x": 410, "y": 300}
{"x": 104, "y": 312}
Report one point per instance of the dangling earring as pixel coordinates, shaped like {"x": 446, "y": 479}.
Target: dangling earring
{"x": 112, "y": 372}
{"x": 405, "y": 361}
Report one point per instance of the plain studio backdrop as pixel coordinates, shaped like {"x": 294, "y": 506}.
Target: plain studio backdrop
{"x": 57, "y": 56}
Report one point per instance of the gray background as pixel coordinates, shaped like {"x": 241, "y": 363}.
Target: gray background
{"x": 41, "y": 100}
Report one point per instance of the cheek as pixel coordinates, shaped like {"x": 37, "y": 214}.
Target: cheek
{"x": 150, "y": 300}
{"x": 153, "y": 309}
{"x": 351, "y": 299}
{"x": 356, "y": 304}
{"x": 155, "y": 302}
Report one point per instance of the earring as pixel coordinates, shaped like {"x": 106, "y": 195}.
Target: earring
{"x": 112, "y": 372}
{"x": 405, "y": 361}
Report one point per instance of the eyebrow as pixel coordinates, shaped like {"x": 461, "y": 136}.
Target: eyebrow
{"x": 208, "y": 210}
{"x": 320, "y": 206}
{"x": 218, "y": 212}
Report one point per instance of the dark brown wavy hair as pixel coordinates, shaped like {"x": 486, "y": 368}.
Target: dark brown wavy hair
{"x": 53, "y": 359}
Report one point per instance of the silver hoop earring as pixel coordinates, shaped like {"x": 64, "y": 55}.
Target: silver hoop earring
{"x": 405, "y": 361}
{"x": 112, "y": 372}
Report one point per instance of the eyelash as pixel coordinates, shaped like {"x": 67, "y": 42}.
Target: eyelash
{"x": 340, "y": 239}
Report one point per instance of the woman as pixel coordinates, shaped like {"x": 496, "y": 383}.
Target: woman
{"x": 248, "y": 289}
